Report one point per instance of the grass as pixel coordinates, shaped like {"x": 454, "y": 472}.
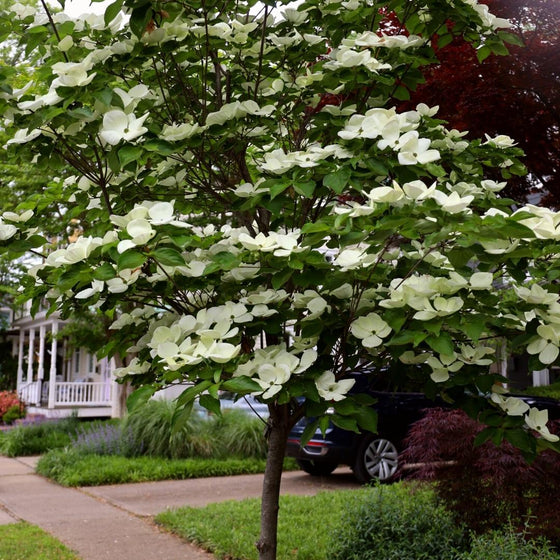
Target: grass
{"x": 231, "y": 529}
{"x": 75, "y": 469}
{"x": 552, "y": 391}
{"x": 22, "y": 541}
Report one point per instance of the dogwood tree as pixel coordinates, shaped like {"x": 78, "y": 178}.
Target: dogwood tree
{"x": 258, "y": 217}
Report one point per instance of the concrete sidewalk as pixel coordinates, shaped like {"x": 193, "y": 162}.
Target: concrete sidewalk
{"x": 115, "y": 521}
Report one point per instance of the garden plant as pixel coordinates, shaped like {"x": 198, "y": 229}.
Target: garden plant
{"x": 258, "y": 215}
{"x": 486, "y": 485}
{"x": 11, "y": 407}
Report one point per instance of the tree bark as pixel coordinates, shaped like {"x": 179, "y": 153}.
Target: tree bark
{"x": 279, "y": 425}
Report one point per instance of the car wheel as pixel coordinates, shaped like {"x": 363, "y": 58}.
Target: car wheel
{"x": 377, "y": 459}
{"x": 316, "y": 468}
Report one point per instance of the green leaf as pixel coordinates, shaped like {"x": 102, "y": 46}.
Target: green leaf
{"x": 522, "y": 440}
{"x": 188, "y": 395}
{"x": 278, "y": 188}
{"x": 367, "y": 419}
{"x": 309, "y": 431}
{"x": 113, "y": 161}
{"x": 168, "y": 256}
{"x": 511, "y": 38}
{"x": 210, "y": 403}
{"x": 345, "y": 423}
{"x": 315, "y": 227}
{"x": 241, "y": 385}
{"x": 474, "y": 326}
{"x": 444, "y": 40}
{"x": 104, "y": 272}
{"x": 280, "y": 278}
{"x": 222, "y": 261}
{"x": 483, "y": 53}
{"x": 112, "y": 11}
{"x": 128, "y": 154}
{"x": 306, "y": 189}
{"x": 131, "y": 259}
{"x": 483, "y": 436}
{"x": 338, "y": 180}
{"x": 442, "y": 344}
{"x": 160, "y": 146}
{"x": 139, "y": 19}
{"x": 139, "y": 397}
{"x": 401, "y": 93}
{"x": 181, "y": 417}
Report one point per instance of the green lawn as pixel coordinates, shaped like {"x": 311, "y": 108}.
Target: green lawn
{"x": 76, "y": 469}
{"x": 22, "y": 541}
{"x": 230, "y": 529}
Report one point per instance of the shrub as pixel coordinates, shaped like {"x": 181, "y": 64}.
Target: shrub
{"x": 397, "y": 523}
{"x": 508, "y": 545}
{"x": 9, "y": 400}
{"x": 37, "y": 438}
{"x": 13, "y": 413}
{"x": 485, "y": 485}
{"x": 106, "y": 438}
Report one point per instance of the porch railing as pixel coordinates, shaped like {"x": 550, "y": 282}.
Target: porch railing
{"x": 82, "y": 393}
{"x": 71, "y": 393}
{"x": 30, "y": 393}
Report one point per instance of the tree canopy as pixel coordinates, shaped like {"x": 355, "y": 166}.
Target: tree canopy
{"x": 258, "y": 216}
{"x": 517, "y": 95}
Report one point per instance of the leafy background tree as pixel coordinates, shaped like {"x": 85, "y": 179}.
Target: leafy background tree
{"x": 517, "y": 95}
{"x": 256, "y": 216}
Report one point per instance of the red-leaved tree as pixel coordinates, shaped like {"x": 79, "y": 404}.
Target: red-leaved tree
{"x": 517, "y": 95}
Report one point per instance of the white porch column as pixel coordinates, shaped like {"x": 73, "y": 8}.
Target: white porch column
{"x": 41, "y": 365}
{"x": 30, "y": 354}
{"x": 52, "y": 371}
{"x": 20, "y": 358}
{"x": 541, "y": 377}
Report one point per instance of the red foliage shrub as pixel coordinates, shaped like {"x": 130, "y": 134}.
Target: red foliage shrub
{"x": 8, "y": 399}
{"x": 486, "y": 486}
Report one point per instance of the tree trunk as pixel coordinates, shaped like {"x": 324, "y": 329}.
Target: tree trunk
{"x": 279, "y": 423}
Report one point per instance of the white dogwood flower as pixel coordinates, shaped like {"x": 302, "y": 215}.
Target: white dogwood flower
{"x": 73, "y": 74}
{"x": 443, "y": 366}
{"x": 512, "y": 406}
{"x": 23, "y": 135}
{"x": 413, "y": 149}
{"x": 371, "y": 329}
{"x": 117, "y": 126}
{"x": 537, "y": 420}
{"x": 7, "y": 231}
{"x": 546, "y": 344}
{"x": 332, "y": 390}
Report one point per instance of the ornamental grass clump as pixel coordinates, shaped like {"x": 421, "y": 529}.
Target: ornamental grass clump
{"x": 231, "y": 433}
{"x": 487, "y": 485}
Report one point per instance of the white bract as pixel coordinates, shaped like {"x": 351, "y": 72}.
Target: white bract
{"x": 118, "y": 126}
{"x": 332, "y": 390}
{"x": 537, "y": 420}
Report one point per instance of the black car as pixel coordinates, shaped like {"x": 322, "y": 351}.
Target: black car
{"x": 374, "y": 456}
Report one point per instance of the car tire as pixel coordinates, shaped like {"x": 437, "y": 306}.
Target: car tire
{"x": 316, "y": 468}
{"x": 377, "y": 459}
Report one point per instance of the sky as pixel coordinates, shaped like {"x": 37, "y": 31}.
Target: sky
{"x": 76, "y": 7}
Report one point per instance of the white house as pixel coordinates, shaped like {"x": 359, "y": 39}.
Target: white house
{"x": 53, "y": 380}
